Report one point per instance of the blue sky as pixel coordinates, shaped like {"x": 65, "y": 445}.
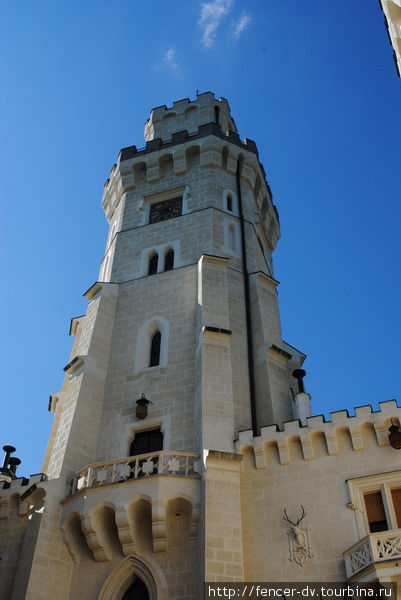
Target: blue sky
{"x": 312, "y": 83}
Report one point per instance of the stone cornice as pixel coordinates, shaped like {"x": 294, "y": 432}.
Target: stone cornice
{"x": 96, "y": 287}
{"x": 212, "y": 259}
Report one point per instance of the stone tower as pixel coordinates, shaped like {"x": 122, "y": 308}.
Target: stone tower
{"x": 178, "y": 368}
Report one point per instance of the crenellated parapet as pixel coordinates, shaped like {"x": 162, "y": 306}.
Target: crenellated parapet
{"x": 18, "y": 495}
{"x": 320, "y": 436}
{"x": 137, "y": 167}
{"x": 208, "y": 148}
{"x": 21, "y": 484}
{"x": 187, "y": 114}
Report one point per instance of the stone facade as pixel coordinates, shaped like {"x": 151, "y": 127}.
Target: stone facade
{"x": 199, "y": 337}
{"x": 392, "y": 21}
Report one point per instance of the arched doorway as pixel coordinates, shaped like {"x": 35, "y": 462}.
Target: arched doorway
{"x": 136, "y": 591}
{"x": 135, "y": 579}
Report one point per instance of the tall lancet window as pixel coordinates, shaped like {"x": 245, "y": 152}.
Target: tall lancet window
{"x": 155, "y": 349}
{"x": 153, "y": 260}
{"x": 169, "y": 261}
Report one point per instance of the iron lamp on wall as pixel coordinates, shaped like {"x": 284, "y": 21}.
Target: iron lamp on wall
{"x": 394, "y": 437}
{"x": 142, "y": 404}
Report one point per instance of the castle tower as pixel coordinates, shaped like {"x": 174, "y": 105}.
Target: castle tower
{"x": 178, "y": 369}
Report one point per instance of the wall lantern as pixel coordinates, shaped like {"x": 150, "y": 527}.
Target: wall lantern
{"x": 141, "y": 411}
{"x": 394, "y": 437}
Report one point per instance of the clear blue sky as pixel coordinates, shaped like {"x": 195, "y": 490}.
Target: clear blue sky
{"x": 312, "y": 83}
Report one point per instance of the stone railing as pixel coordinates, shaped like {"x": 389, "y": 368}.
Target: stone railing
{"x": 374, "y": 548}
{"x": 136, "y": 467}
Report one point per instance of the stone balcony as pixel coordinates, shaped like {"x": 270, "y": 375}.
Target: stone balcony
{"x": 136, "y": 467}
{"x": 376, "y": 554}
{"x": 133, "y": 504}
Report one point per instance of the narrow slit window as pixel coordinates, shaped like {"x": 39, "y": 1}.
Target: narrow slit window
{"x": 169, "y": 261}
{"x": 154, "y": 259}
{"x": 155, "y": 349}
{"x": 229, "y": 203}
{"x": 375, "y": 512}
{"x": 231, "y": 237}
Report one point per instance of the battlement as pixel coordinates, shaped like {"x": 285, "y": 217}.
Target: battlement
{"x": 189, "y": 115}
{"x": 365, "y": 422}
{"x": 21, "y": 484}
{"x": 185, "y": 135}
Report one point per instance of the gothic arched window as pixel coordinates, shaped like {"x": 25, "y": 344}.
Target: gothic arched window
{"x": 169, "y": 261}
{"x": 154, "y": 259}
{"x": 229, "y": 203}
{"x": 155, "y": 349}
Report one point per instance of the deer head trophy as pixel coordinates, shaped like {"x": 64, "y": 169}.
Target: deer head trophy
{"x": 299, "y": 536}
{"x": 298, "y": 540}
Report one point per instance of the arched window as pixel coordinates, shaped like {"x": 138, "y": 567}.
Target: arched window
{"x": 155, "y": 349}
{"x": 169, "y": 261}
{"x": 230, "y": 203}
{"x": 154, "y": 259}
{"x": 231, "y": 237}
{"x": 148, "y": 344}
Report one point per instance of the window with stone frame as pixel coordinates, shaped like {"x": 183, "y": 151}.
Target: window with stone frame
{"x": 167, "y": 209}
{"x": 144, "y": 442}
{"x": 377, "y": 501}
{"x": 153, "y": 263}
{"x": 169, "y": 260}
{"x": 155, "y": 346}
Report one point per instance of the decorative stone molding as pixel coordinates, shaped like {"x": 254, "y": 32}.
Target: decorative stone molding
{"x": 124, "y": 574}
{"x": 159, "y": 527}
{"x": 93, "y": 541}
{"x": 124, "y": 531}
{"x": 299, "y": 545}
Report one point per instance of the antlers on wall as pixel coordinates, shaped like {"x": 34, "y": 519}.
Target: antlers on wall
{"x": 286, "y": 518}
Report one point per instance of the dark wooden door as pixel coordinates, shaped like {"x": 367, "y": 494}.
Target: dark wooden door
{"x": 146, "y": 441}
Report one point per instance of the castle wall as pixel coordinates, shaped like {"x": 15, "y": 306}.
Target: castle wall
{"x": 310, "y": 466}
{"x": 208, "y": 506}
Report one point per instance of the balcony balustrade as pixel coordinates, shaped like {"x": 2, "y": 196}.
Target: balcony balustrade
{"x": 372, "y": 549}
{"x": 168, "y": 464}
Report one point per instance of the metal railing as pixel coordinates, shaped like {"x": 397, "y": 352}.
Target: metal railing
{"x": 374, "y": 548}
